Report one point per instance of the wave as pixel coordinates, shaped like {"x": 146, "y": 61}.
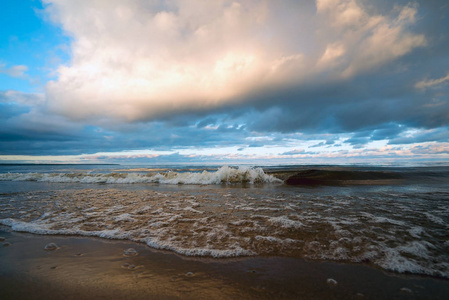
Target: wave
{"x": 225, "y": 174}
{"x": 405, "y": 232}
{"x": 117, "y": 234}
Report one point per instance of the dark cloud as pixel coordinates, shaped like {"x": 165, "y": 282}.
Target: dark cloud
{"x": 384, "y": 100}
{"x": 10, "y": 109}
{"x": 366, "y": 102}
{"x": 329, "y": 143}
{"x": 433, "y": 135}
{"x": 387, "y": 132}
{"x": 294, "y": 152}
{"x": 357, "y": 142}
{"x": 25, "y": 133}
{"x": 318, "y": 145}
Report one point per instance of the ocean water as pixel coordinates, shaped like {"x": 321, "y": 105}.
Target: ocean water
{"x": 393, "y": 218}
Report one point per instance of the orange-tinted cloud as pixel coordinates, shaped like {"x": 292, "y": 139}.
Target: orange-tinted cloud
{"x": 143, "y": 61}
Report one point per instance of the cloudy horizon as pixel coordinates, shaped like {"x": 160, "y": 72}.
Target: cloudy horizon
{"x": 224, "y": 82}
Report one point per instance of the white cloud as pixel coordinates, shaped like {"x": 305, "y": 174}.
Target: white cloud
{"x": 374, "y": 39}
{"x": 18, "y": 71}
{"x": 139, "y": 60}
{"x": 342, "y": 13}
{"x": 30, "y": 99}
{"x": 432, "y": 82}
{"x": 331, "y": 55}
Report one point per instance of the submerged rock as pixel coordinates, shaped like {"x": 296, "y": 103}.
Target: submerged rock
{"x": 6, "y": 244}
{"x": 2, "y": 239}
{"x": 51, "y": 247}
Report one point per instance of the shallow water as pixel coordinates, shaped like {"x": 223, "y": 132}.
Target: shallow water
{"x": 399, "y": 227}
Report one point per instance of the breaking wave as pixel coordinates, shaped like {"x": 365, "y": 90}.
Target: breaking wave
{"x": 401, "y": 232}
{"x": 225, "y": 174}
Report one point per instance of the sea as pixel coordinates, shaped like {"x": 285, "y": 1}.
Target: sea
{"x": 390, "y": 217}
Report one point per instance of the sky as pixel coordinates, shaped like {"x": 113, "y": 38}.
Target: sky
{"x": 224, "y": 82}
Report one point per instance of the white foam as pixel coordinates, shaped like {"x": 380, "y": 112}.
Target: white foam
{"x": 223, "y": 175}
{"x": 331, "y": 282}
{"x": 20, "y": 226}
{"x": 415, "y": 249}
{"x": 387, "y": 220}
{"x": 275, "y": 239}
{"x": 124, "y": 217}
{"x": 223, "y": 222}
{"x": 233, "y": 250}
{"x": 42, "y": 228}
{"x": 394, "y": 261}
{"x": 189, "y": 208}
{"x": 434, "y": 218}
{"x": 416, "y": 231}
{"x": 217, "y": 253}
{"x": 285, "y": 222}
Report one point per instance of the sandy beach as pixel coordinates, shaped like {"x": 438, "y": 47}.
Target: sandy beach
{"x": 91, "y": 268}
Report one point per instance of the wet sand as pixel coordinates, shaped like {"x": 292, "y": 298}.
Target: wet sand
{"x": 91, "y": 268}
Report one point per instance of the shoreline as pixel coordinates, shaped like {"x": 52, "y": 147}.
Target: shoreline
{"x": 92, "y": 268}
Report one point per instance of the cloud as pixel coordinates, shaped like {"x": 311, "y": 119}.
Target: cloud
{"x": 329, "y": 143}
{"x": 17, "y": 71}
{"x": 294, "y": 152}
{"x": 27, "y": 128}
{"x": 432, "y": 82}
{"x": 373, "y": 39}
{"x": 420, "y": 136}
{"x": 150, "y": 60}
{"x": 29, "y": 99}
{"x": 265, "y": 78}
{"x": 430, "y": 148}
